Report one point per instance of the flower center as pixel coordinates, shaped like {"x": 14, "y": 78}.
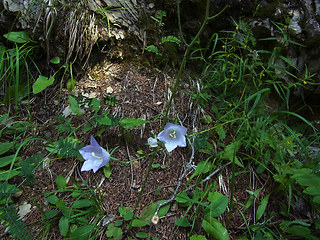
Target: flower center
{"x": 172, "y": 134}
{"x": 94, "y": 155}
{"x": 97, "y": 162}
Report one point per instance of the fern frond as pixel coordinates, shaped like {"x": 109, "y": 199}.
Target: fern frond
{"x": 11, "y": 219}
{"x": 29, "y": 165}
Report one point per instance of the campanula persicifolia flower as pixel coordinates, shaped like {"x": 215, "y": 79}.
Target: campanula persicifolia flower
{"x": 173, "y": 135}
{"x": 94, "y": 155}
{"x": 152, "y": 142}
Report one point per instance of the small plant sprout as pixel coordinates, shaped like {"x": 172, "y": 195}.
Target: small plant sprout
{"x": 152, "y": 142}
{"x": 173, "y": 135}
{"x": 94, "y": 155}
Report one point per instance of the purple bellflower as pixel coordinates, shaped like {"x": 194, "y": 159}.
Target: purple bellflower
{"x": 94, "y": 155}
{"x": 152, "y": 142}
{"x": 173, "y": 135}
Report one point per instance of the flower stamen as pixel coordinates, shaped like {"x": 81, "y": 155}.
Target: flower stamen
{"x": 94, "y": 155}
{"x": 173, "y": 134}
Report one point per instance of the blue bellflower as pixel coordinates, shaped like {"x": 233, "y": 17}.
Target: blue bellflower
{"x": 173, "y": 135}
{"x": 152, "y": 142}
{"x": 94, "y": 155}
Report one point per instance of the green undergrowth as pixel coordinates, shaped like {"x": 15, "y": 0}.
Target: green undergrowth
{"x": 246, "y": 126}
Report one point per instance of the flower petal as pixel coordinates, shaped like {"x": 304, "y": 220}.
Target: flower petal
{"x": 152, "y": 142}
{"x": 170, "y": 145}
{"x": 87, "y": 166}
{"x": 94, "y": 142}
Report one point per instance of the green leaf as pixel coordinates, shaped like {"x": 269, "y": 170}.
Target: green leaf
{"x": 215, "y": 229}
{"x": 202, "y": 167}
{"x": 64, "y": 226}
{"x": 219, "y": 129}
{"x": 107, "y": 170}
{"x": 142, "y": 235}
{"x": 61, "y": 182}
{"x": 41, "y": 83}
{"x": 114, "y": 232}
{"x": 82, "y": 203}
{"x": 170, "y": 39}
{"x": 310, "y": 181}
{"x": 74, "y": 105}
{"x": 128, "y": 123}
{"x": 230, "y": 152}
{"x": 262, "y": 207}
{"x": 104, "y": 120}
{"x": 6, "y": 146}
{"x": 217, "y": 206}
{"x": 295, "y": 228}
{"x": 82, "y": 233}
{"x": 148, "y": 212}
{"x": 71, "y": 84}
{"x": 138, "y": 223}
{"x": 198, "y": 237}
{"x": 55, "y": 60}
{"x": 51, "y": 213}
{"x": 128, "y": 216}
{"x": 118, "y": 223}
{"x": 182, "y": 197}
{"x": 182, "y": 222}
{"x": 53, "y": 199}
{"x": 4, "y": 161}
{"x": 6, "y": 174}
{"x": 95, "y": 104}
{"x": 153, "y": 49}
{"x": 17, "y": 37}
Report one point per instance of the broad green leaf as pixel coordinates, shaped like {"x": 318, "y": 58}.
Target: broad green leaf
{"x": 262, "y": 207}
{"x": 182, "y": 197}
{"x": 55, "y": 60}
{"x": 82, "y": 233}
{"x": 17, "y": 37}
{"x": 82, "y": 203}
{"x": 198, "y": 237}
{"x": 128, "y": 216}
{"x": 217, "y": 206}
{"x": 114, "y": 232}
{"x": 118, "y": 223}
{"x": 51, "y": 213}
{"x": 295, "y": 229}
{"x": 6, "y": 146}
{"x": 124, "y": 210}
{"x": 4, "y": 161}
{"x": 74, "y": 105}
{"x": 6, "y": 174}
{"x": 316, "y": 199}
{"x": 219, "y": 129}
{"x": 138, "y": 223}
{"x": 230, "y": 152}
{"x": 148, "y": 212}
{"x": 310, "y": 181}
{"x": 53, "y": 199}
{"x": 128, "y": 123}
{"x": 182, "y": 222}
{"x": 71, "y": 84}
{"x": 41, "y": 83}
{"x": 104, "y": 120}
{"x": 64, "y": 226}
{"x": 203, "y": 167}
{"x": 215, "y": 229}
{"x": 95, "y": 104}
{"x": 61, "y": 182}
{"x": 142, "y": 235}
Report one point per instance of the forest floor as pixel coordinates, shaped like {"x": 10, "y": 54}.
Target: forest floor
{"x": 137, "y": 93}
